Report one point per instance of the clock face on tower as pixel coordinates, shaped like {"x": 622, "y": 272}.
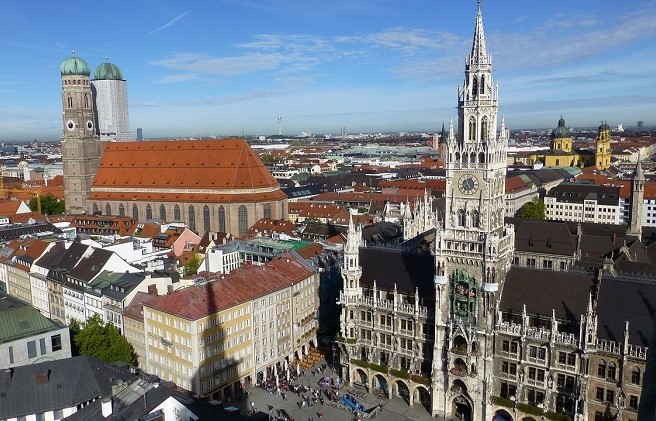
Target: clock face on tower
{"x": 70, "y": 125}
{"x": 89, "y": 124}
{"x": 468, "y": 184}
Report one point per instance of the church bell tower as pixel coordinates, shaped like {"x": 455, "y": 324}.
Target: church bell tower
{"x": 81, "y": 149}
{"x": 473, "y": 249}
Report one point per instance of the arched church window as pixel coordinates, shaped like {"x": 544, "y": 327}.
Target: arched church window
{"x": 458, "y": 157}
{"x": 476, "y": 219}
{"x": 206, "y": 218}
{"x": 162, "y": 213}
{"x": 472, "y": 128}
{"x": 482, "y": 84}
{"x": 176, "y": 213}
{"x": 484, "y": 133}
{"x": 461, "y": 218}
{"x": 192, "y": 218}
{"x": 472, "y": 157}
{"x": 86, "y": 100}
{"x": 481, "y": 158}
{"x": 222, "y": 221}
{"x": 135, "y": 212}
{"x": 474, "y": 86}
{"x": 108, "y": 209}
{"x": 242, "y": 216}
{"x": 267, "y": 210}
{"x": 69, "y": 101}
{"x": 121, "y": 209}
{"x": 95, "y": 209}
{"x": 149, "y": 212}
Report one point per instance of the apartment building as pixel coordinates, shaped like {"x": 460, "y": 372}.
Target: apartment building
{"x": 584, "y": 203}
{"x": 204, "y": 337}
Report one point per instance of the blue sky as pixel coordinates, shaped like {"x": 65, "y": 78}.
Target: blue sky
{"x": 203, "y": 67}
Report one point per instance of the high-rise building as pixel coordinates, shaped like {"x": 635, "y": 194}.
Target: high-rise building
{"x": 110, "y": 93}
{"x": 81, "y": 147}
{"x": 139, "y": 133}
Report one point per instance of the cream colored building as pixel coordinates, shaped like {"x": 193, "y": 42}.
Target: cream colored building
{"x": 203, "y": 337}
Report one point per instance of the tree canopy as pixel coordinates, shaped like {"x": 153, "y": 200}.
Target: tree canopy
{"x": 50, "y": 205}
{"x": 192, "y": 265}
{"x": 102, "y": 341}
{"x": 534, "y": 209}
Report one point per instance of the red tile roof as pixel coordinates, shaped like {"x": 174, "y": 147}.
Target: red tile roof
{"x": 241, "y": 285}
{"x": 196, "y": 170}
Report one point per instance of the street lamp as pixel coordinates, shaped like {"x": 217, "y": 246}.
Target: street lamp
{"x": 514, "y": 408}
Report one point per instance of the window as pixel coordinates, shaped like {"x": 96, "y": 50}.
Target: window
{"x": 530, "y": 262}
{"x": 633, "y": 402}
{"x": 42, "y": 345}
{"x": 149, "y": 212}
{"x": 121, "y": 210}
{"x": 222, "y": 220}
{"x": 11, "y": 355}
{"x": 610, "y": 396}
{"x": 176, "y": 213}
{"x": 162, "y": 213}
{"x": 484, "y": 131}
{"x": 69, "y": 101}
{"x": 611, "y": 370}
{"x": 476, "y": 220}
{"x": 600, "y": 394}
{"x": 635, "y": 376}
{"x": 192, "y": 218}
{"x": 242, "y": 216}
{"x": 31, "y": 349}
{"x": 472, "y": 127}
{"x": 267, "y": 211}
{"x": 461, "y": 218}
{"x": 601, "y": 369}
{"x": 135, "y": 212}
{"x": 547, "y": 264}
{"x": 206, "y": 218}
{"x": 108, "y": 209}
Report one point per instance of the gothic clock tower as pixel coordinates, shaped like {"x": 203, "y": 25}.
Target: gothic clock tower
{"x": 473, "y": 249}
{"x": 81, "y": 148}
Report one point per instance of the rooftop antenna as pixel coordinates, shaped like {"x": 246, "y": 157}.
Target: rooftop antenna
{"x": 279, "y": 123}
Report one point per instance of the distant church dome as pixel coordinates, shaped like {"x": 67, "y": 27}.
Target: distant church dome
{"x": 108, "y": 71}
{"x": 561, "y": 131}
{"x": 74, "y": 66}
{"x": 604, "y": 126}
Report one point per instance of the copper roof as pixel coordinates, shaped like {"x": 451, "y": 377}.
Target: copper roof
{"x": 184, "y": 170}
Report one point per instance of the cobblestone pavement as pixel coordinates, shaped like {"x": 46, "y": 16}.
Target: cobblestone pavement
{"x": 394, "y": 409}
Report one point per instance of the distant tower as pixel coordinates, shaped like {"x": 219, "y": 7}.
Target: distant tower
{"x": 110, "y": 93}
{"x": 561, "y": 137}
{"x": 640, "y": 125}
{"x": 279, "y": 124}
{"x": 139, "y": 133}
{"x": 81, "y": 149}
{"x": 602, "y": 150}
{"x": 637, "y": 201}
{"x": 351, "y": 274}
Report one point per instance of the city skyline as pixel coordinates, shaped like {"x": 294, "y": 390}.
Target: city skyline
{"x": 227, "y": 67}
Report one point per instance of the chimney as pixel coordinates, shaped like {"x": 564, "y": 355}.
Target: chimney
{"x": 152, "y": 289}
{"x": 106, "y": 405}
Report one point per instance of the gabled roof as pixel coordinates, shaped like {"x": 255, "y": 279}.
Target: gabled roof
{"x": 545, "y": 290}
{"x": 52, "y": 256}
{"x": 89, "y": 267}
{"x": 241, "y": 285}
{"x": 406, "y": 270}
{"x": 58, "y": 384}
{"x": 622, "y": 300}
{"x": 184, "y": 170}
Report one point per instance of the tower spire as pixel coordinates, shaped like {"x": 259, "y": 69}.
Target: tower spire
{"x": 479, "y": 52}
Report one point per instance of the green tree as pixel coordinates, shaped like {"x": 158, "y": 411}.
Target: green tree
{"x": 534, "y": 209}
{"x": 192, "y": 265}
{"x": 104, "y": 342}
{"x": 50, "y": 205}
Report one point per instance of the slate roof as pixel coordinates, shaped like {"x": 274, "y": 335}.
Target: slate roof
{"x": 89, "y": 267}
{"x": 578, "y": 192}
{"x": 52, "y": 256}
{"x": 623, "y": 300}
{"x": 184, "y": 170}
{"x": 57, "y": 384}
{"x": 390, "y": 266}
{"x": 544, "y": 237}
{"x": 543, "y": 290}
